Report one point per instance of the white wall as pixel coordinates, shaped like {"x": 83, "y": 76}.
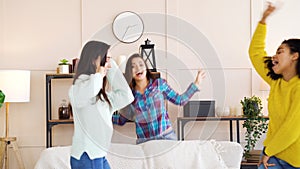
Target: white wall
{"x": 211, "y": 34}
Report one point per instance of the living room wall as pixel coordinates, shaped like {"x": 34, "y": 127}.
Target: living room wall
{"x": 35, "y": 35}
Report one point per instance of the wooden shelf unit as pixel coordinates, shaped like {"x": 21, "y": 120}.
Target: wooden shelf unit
{"x": 49, "y": 121}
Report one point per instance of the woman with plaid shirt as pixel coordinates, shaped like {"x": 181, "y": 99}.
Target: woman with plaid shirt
{"x": 148, "y": 109}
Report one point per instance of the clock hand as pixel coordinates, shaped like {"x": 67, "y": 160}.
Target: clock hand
{"x": 128, "y": 27}
{"x": 125, "y": 32}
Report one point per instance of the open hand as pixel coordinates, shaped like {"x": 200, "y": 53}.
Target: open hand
{"x": 199, "y": 78}
{"x": 270, "y": 9}
{"x": 264, "y": 161}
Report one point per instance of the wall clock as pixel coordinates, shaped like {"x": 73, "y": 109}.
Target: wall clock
{"x": 128, "y": 27}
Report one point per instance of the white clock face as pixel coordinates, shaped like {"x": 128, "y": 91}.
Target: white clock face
{"x": 128, "y": 27}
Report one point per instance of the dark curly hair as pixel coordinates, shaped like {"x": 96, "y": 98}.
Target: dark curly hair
{"x": 294, "y": 46}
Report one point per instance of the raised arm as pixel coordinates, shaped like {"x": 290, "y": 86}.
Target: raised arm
{"x": 182, "y": 99}
{"x": 85, "y": 89}
{"x": 199, "y": 78}
{"x": 257, "y": 46}
{"x": 121, "y": 94}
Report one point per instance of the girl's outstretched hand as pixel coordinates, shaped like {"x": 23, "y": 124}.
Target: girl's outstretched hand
{"x": 199, "y": 78}
{"x": 270, "y": 9}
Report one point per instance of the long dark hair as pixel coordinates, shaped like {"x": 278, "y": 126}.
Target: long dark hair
{"x": 90, "y": 52}
{"x": 294, "y": 46}
{"x": 128, "y": 70}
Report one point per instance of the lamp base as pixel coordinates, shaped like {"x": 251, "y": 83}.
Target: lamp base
{"x": 4, "y": 143}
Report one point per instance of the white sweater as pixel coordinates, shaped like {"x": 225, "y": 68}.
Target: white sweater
{"x": 93, "y": 119}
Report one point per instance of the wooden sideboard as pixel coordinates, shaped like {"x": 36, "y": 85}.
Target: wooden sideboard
{"x": 182, "y": 121}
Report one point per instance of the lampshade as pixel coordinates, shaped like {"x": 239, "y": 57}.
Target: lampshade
{"x": 15, "y": 84}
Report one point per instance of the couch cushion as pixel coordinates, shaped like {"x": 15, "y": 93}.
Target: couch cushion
{"x": 120, "y": 156}
{"x": 126, "y": 156}
{"x": 54, "y": 157}
{"x": 231, "y": 153}
{"x": 168, "y": 154}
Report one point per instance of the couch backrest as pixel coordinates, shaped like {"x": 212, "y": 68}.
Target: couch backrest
{"x": 162, "y": 154}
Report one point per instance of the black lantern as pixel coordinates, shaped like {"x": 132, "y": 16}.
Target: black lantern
{"x": 147, "y": 53}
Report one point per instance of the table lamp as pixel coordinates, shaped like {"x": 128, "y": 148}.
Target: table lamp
{"x": 15, "y": 84}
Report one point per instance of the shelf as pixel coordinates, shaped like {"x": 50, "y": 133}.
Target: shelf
{"x": 49, "y": 121}
{"x": 60, "y": 121}
{"x": 54, "y": 122}
{"x": 246, "y": 165}
{"x": 60, "y": 74}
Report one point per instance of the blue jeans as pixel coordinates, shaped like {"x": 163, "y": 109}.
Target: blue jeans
{"x": 86, "y": 163}
{"x": 279, "y": 164}
{"x": 167, "y": 136}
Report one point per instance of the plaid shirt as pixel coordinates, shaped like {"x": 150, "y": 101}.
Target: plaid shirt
{"x": 151, "y": 116}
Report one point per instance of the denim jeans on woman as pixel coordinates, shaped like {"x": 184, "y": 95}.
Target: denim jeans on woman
{"x": 167, "y": 136}
{"x": 279, "y": 164}
{"x": 86, "y": 163}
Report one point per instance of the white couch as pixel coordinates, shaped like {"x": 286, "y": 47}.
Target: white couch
{"x": 157, "y": 154}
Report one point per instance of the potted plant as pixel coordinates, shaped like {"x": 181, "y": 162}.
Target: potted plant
{"x": 2, "y": 98}
{"x": 255, "y": 123}
{"x": 63, "y": 66}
